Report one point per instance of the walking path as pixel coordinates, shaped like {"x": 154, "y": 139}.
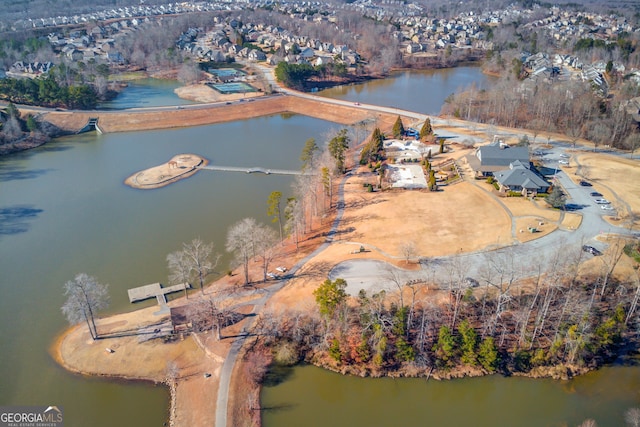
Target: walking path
{"x": 229, "y": 362}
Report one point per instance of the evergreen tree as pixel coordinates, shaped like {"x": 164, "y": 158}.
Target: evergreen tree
{"x": 398, "y": 128}
{"x": 468, "y": 343}
{"x": 338, "y": 146}
{"x": 488, "y": 354}
{"x": 445, "y": 347}
{"x": 32, "y": 125}
{"x": 330, "y": 295}
{"x": 309, "y": 153}
{"x": 432, "y": 180}
{"x": 557, "y": 198}
{"x": 441, "y": 145}
{"x": 426, "y": 129}
{"x": 273, "y": 209}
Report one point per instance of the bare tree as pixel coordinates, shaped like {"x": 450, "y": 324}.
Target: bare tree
{"x": 199, "y": 258}
{"x": 266, "y": 241}
{"x": 408, "y": 250}
{"x": 632, "y": 417}
{"x": 241, "y": 241}
{"x": 85, "y": 296}
{"x": 179, "y": 269}
{"x": 631, "y": 143}
{"x": 610, "y": 261}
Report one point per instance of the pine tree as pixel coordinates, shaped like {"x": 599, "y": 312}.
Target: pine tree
{"x": 468, "y": 343}
{"x": 488, "y": 354}
{"x": 398, "y": 128}
{"x": 426, "y": 129}
{"x": 445, "y": 347}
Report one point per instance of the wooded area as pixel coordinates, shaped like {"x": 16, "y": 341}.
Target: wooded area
{"x": 541, "y": 319}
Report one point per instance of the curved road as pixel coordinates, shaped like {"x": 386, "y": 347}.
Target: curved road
{"x": 222, "y": 402}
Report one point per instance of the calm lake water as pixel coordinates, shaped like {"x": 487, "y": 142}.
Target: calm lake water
{"x": 422, "y": 91}
{"x": 310, "y": 397}
{"x": 64, "y": 209}
{"x": 146, "y": 93}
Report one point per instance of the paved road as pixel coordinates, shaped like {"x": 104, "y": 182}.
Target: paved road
{"x": 222, "y": 402}
{"x": 374, "y": 276}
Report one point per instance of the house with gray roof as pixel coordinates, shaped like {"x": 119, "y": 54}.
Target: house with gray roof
{"x": 522, "y": 178}
{"x": 496, "y": 157}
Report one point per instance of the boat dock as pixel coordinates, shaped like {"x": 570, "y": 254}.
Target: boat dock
{"x": 155, "y": 290}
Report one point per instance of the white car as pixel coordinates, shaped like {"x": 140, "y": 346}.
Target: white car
{"x": 602, "y": 201}
{"x": 606, "y": 207}
{"x": 563, "y": 162}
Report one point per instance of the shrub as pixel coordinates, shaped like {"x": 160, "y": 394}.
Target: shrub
{"x": 286, "y": 354}
{"x": 334, "y": 350}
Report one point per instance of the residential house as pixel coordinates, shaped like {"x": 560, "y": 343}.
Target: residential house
{"x": 257, "y": 55}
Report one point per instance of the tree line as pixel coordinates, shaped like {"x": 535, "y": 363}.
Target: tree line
{"x": 559, "y": 322}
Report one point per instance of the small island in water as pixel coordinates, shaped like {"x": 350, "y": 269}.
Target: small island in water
{"x": 179, "y": 167}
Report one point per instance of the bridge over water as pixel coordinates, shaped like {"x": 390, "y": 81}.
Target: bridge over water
{"x": 251, "y": 170}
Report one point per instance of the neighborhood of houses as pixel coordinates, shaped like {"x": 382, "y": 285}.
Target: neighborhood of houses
{"x": 90, "y": 36}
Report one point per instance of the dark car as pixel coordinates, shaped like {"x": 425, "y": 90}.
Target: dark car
{"x": 591, "y": 250}
{"x": 471, "y": 282}
{"x": 596, "y": 194}
{"x": 585, "y": 183}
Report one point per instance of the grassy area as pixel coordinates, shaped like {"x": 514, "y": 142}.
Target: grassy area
{"x": 633, "y": 251}
{"x": 132, "y": 75}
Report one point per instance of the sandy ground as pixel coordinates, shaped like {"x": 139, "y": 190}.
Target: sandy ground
{"x": 179, "y": 167}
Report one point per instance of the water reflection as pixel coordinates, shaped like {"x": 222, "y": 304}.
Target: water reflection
{"x": 16, "y": 219}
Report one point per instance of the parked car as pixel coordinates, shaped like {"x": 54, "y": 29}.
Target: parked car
{"x": 564, "y": 156}
{"x": 596, "y": 194}
{"x": 602, "y": 201}
{"x": 471, "y": 282}
{"x": 585, "y": 183}
{"x": 563, "y": 162}
{"x": 591, "y": 250}
{"x": 606, "y": 207}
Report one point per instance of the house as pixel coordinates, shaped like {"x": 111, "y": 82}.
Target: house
{"x": 496, "y": 157}
{"x": 257, "y": 55}
{"x": 522, "y": 178}
{"x": 307, "y": 53}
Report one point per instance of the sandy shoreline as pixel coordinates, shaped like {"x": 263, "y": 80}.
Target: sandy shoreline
{"x": 178, "y": 167}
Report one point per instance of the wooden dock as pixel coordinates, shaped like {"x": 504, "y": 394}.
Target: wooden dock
{"x": 155, "y": 290}
{"x": 251, "y": 170}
